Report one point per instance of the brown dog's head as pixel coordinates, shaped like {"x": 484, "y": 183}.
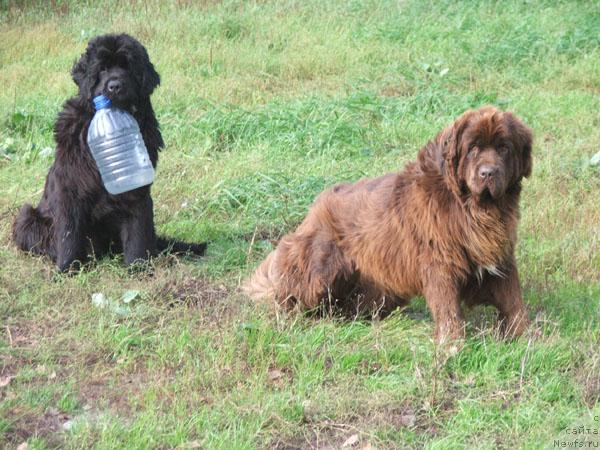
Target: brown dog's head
{"x": 485, "y": 153}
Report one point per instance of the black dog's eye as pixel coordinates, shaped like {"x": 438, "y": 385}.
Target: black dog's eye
{"x": 122, "y": 62}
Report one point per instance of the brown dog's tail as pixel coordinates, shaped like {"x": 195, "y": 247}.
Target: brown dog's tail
{"x": 262, "y": 285}
{"x": 179, "y": 247}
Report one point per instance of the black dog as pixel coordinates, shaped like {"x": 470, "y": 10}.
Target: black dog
{"x": 76, "y": 215}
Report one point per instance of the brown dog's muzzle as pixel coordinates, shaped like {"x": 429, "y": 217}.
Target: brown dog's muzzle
{"x": 491, "y": 178}
{"x": 486, "y": 175}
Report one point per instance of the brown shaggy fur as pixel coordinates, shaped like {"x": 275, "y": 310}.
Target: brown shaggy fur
{"x": 444, "y": 228}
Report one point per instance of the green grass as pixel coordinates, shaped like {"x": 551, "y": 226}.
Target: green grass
{"x": 262, "y": 105}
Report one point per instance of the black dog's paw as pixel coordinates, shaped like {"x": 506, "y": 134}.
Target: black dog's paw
{"x": 141, "y": 268}
{"x": 67, "y": 270}
{"x": 170, "y": 246}
{"x": 197, "y": 249}
{"x": 69, "y": 267}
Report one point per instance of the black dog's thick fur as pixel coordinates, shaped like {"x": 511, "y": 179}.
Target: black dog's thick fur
{"x": 76, "y": 216}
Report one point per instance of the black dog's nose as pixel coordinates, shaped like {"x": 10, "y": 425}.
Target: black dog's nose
{"x": 486, "y": 172}
{"x": 114, "y": 86}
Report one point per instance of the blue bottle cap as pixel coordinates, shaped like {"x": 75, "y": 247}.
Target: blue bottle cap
{"x": 101, "y": 102}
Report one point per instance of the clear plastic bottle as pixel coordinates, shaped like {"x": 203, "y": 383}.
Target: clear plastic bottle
{"x": 118, "y": 148}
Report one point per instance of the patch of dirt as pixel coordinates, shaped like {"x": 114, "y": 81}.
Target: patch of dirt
{"x": 394, "y": 91}
{"x": 359, "y": 429}
{"x": 327, "y": 436}
{"x": 22, "y": 340}
{"x": 119, "y": 398}
{"x": 24, "y": 335}
{"x": 588, "y": 377}
{"x": 406, "y": 417}
{"x": 278, "y": 378}
{"x": 196, "y": 292}
{"x": 25, "y": 424}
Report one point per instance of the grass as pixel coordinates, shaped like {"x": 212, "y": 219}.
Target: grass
{"x": 262, "y": 105}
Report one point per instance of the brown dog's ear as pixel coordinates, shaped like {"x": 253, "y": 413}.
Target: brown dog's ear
{"x": 523, "y": 140}
{"x": 453, "y": 152}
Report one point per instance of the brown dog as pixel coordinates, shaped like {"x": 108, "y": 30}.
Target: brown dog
{"x": 444, "y": 228}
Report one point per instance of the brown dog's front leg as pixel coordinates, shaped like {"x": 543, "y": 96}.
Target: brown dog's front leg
{"x": 505, "y": 294}
{"x": 442, "y": 297}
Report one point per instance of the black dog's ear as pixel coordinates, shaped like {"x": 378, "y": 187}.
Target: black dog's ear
{"x": 150, "y": 78}
{"x": 138, "y": 58}
{"x": 79, "y": 72}
{"x": 83, "y": 73}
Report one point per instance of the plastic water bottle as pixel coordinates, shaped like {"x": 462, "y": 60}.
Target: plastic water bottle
{"x": 118, "y": 148}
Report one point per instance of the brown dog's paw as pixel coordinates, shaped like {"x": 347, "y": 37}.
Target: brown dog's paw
{"x": 515, "y": 326}
{"x": 449, "y": 346}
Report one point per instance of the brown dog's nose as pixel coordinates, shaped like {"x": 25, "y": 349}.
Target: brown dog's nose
{"x": 486, "y": 172}
{"x": 114, "y": 86}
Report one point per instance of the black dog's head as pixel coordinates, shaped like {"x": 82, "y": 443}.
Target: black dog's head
{"x": 117, "y": 66}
